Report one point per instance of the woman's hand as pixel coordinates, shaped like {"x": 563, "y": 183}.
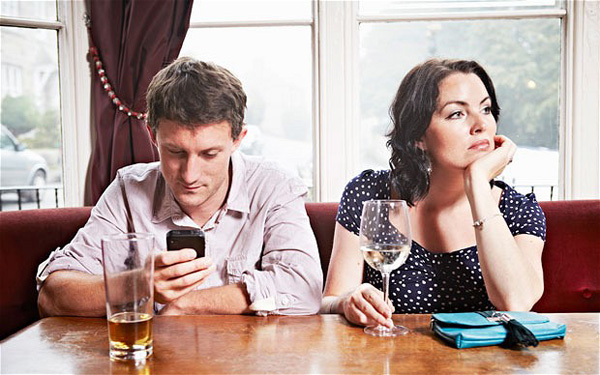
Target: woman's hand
{"x": 365, "y": 305}
{"x": 492, "y": 164}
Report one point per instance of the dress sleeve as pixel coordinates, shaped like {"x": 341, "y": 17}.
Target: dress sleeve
{"x": 524, "y": 215}
{"x": 366, "y": 186}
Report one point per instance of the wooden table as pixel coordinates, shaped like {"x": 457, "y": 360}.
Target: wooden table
{"x": 287, "y": 344}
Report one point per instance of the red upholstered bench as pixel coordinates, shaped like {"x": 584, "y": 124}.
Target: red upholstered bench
{"x": 571, "y": 256}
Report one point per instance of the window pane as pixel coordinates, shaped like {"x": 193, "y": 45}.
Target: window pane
{"x": 39, "y": 10}
{"x": 30, "y": 107}
{"x": 436, "y": 6}
{"x": 523, "y": 59}
{"x": 275, "y": 67}
{"x": 214, "y": 11}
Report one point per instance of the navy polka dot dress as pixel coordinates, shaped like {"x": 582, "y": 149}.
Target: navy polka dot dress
{"x": 433, "y": 282}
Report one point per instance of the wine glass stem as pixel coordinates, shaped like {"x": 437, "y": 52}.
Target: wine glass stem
{"x": 385, "y": 276}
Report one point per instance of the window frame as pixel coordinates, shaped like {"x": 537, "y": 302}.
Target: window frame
{"x": 579, "y": 140}
{"x": 335, "y": 95}
{"x": 74, "y": 83}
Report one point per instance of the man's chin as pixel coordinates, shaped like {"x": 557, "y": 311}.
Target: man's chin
{"x": 190, "y": 200}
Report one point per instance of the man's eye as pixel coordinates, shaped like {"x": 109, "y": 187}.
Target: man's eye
{"x": 211, "y": 155}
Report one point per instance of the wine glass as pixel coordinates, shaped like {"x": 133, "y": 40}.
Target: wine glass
{"x": 385, "y": 242}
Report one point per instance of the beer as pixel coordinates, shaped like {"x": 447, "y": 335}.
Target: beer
{"x": 130, "y": 333}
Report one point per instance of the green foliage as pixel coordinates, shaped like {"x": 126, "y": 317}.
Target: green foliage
{"x": 521, "y": 56}
{"x": 20, "y": 115}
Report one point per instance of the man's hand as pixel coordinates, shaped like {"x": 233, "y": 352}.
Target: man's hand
{"x": 176, "y": 273}
{"x": 492, "y": 164}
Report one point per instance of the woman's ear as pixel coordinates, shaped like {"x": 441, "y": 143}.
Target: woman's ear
{"x": 421, "y": 144}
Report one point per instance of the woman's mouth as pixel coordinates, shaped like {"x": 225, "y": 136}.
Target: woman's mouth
{"x": 482, "y": 145}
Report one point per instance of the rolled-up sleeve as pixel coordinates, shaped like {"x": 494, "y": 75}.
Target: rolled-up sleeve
{"x": 84, "y": 252}
{"x": 289, "y": 280}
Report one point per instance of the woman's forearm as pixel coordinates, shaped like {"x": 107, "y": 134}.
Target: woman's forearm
{"x": 511, "y": 269}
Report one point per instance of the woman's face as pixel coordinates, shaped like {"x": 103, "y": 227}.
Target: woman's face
{"x": 462, "y": 127}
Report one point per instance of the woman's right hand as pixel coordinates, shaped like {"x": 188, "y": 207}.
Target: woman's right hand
{"x": 365, "y": 305}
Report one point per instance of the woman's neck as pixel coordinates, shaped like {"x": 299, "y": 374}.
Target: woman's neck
{"x": 446, "y": 188}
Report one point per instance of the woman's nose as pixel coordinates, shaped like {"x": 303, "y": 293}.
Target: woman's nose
{"x": 479, "y": 124}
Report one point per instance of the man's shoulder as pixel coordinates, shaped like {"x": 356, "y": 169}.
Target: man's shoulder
{"x": 140, "y": 172}
{"x": 268, "y": 176}
{"x": 258, "y": 167}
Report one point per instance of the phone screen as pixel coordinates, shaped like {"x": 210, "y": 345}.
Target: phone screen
{"x": 186, "y": 238}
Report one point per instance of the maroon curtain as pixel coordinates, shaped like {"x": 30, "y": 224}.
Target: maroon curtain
{"x": 134, "y": 39}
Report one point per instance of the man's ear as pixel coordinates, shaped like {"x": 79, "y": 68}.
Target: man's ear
{"x": 151, "y": 133}
{"x": 238, "y": 141}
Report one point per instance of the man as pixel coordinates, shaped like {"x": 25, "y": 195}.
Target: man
{"x": 261, "y": 255}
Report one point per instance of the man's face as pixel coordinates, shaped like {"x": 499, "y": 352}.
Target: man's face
{"x": 195, "y": 162}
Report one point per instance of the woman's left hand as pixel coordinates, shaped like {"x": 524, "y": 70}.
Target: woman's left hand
{"x": 492, "y": 164}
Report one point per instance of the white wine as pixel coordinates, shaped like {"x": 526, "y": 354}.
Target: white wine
{"x": 385, "y": 258}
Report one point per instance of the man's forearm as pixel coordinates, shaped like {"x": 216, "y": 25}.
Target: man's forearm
{"x": 229, "y": 299}
{"x": 72, "y": 293}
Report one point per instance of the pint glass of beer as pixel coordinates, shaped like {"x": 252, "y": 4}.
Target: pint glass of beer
{"x": 128, "y": 261}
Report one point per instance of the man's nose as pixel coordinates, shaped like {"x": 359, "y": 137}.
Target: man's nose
{"x": 190, "y": 171}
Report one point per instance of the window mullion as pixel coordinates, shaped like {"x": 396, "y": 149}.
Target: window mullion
{"x": 74, "y": 81}
{"x": 338, "y": 96}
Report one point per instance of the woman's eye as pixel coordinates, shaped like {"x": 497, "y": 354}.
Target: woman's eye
{"x": 487, "y": 110}
{"x": 455, "y": 115}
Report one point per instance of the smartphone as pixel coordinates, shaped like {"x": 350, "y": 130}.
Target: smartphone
{"x": 186, "y": 238}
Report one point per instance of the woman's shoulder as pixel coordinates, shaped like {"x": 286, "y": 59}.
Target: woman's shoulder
{"x": 522, "y": 212}
{"x": 367, "y": 185}
{"x": 512, "y": 198}
{"x": 369, "y": 180}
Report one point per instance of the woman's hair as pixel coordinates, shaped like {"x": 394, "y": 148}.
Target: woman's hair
{"x": 415, "y": 102}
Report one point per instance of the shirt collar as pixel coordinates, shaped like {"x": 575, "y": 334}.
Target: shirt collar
{"x": 237, "y": 199}
{"x": 165, "y": 206}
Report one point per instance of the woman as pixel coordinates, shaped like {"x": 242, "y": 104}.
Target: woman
{"x": 477, "y": 243}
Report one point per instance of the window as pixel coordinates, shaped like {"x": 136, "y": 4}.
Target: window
{"x": 523, "y": 57}
{"x": 268, "y": 45}
{"x": 307, "y": 65}
{"x": 36, "y": 100}
{"x": 362, "y": 51}
{"x": 526, "y": 46}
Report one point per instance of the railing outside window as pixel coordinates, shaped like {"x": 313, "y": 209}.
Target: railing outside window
{"x": 17, "y": 198}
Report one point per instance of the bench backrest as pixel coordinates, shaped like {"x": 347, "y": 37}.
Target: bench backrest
{"x": 571, "y": 256}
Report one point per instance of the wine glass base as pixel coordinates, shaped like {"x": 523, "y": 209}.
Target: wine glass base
{"x": 382, "y": 331}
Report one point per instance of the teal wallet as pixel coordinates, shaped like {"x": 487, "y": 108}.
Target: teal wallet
{"x": 473, "y": 329}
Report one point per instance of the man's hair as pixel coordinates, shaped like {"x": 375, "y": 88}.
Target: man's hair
{"x": 192, "y": 92}
{"x": 415, "y": 102}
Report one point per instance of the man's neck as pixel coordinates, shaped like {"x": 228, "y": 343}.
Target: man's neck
{"x": 202, "y": 214}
